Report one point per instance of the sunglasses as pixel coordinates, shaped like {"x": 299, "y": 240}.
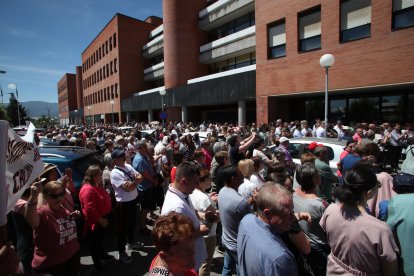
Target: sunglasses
{"x": 56, "y": 196}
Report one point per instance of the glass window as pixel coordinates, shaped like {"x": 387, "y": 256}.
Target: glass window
{"x": 231, "y": 64}
{"x": 243, "y": 61}
{"x": 310, "y": 30}
{"x": 337, "y": 109}
{"x": 402, "y": 14}
{"x": 392, "y": 108}
{"x": 410, "y": 110}
{"x": 314, "y": 108}
{"x": 357, "y": 104}
{"x": 277, "y": 39}
{"x": 355, "y": 19}
{"x": 242, "y": 23}
{"x": 294, "y": 150}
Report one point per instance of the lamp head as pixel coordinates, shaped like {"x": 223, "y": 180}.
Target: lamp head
{"x": 12, "y": 86}
{"x": 327, "y": 60}
{"x": 163, "y": 92}
{"x": 112, "y": 102}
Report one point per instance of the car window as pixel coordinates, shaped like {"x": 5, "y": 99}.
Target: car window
{"x": 331, "y": 154}
{"x": 294, "y": 150}
{"x": 82, "y": 164}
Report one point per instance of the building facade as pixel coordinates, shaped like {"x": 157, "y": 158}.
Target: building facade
{"x": 372, "y": 41}
{"x": 253, "y": 61}
{"x": 67, "y": 98}
{"x": 112, "y": 54}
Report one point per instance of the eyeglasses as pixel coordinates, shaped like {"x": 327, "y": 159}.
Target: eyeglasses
{"x": 56, "y": 196}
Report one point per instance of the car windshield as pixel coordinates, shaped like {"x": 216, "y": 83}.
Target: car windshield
{"x": 331, "y": 154}
{"x": 82, "y": 164}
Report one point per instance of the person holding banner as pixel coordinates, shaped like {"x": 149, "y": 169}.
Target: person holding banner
{"x": 54, "y": 231}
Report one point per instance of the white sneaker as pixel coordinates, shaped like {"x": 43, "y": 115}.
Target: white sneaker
{"x": 135, "y": 246}
{"x": 123, "y": 257}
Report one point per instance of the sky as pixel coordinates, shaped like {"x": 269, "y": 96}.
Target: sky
{"x": 41, "y": 40}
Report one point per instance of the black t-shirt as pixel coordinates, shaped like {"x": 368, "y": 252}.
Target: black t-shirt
{"x": 235, "y": 155}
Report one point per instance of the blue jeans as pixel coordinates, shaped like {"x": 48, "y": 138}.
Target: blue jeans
{"x": 230, "y": 262}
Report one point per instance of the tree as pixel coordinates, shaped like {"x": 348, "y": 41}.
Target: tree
{"x": 11, "y": 111}
{"x": 3, "y": 114}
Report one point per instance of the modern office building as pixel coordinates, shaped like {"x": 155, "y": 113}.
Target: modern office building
{"x": 254, "y": 61}
{"x": 112, "y": 67}
{"x": 372, "y": 41}
{"x": 204, "y": 57}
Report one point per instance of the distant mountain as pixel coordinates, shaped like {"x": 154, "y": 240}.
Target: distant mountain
{"x": 38, "y": 109}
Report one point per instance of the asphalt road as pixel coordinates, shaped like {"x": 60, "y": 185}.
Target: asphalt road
{"x": 141, "y": 259}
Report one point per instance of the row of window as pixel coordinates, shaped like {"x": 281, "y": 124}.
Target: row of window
{"x": 355, "y": 24}
{"x": 233, "y": 63}
{"x": 382, "y": 107}
{"x": 64, "y": 97}
{"x": 106, "y": 47}
{"x": 234, "y": 26}
{"x": 106, "y": 94}
{"x": 62, "y": 87}
{"x": 101, "y": 74}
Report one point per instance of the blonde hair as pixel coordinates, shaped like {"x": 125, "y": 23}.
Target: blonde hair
{"x": 246, "y": 166}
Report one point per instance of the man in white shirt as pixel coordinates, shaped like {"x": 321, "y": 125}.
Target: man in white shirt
{"x": 177, "y": 199}
{"x": 125, "y": 180}
{"x": 320, "y": 131}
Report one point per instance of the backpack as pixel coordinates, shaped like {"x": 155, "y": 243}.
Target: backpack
{"x": 403, "y": 183}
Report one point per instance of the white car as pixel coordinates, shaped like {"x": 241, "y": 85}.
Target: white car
{"x": 299, "y": 146}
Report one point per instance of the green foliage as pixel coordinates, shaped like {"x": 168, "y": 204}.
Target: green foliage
{"x": 3, "y": 114}
{"x": 11, "y": 111}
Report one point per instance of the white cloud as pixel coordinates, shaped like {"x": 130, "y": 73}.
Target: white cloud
{"x": 20, "y": 33}
{"x": 32, "y": 69}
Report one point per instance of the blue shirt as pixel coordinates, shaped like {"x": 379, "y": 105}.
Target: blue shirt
{"x": 261, "y": 251}
{"x": 142, "y": 164}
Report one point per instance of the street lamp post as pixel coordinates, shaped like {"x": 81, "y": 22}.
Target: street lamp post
{"x": 1, "y": 90}
{"x": 112, "y": 104}
{"x": 162, "y": 93}
{"x": 89, "y": 110}
{"x": 13, "y": 86}
{"x": 76, "y": 116}
{"x": 326, "y": 61}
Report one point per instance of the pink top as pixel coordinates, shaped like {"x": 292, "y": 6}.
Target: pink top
{"x": 385, "y": 192}
{"x": 55, "y": 238}
{"x": 357, "y": 240}
{"x": 95, "y": 203}
{"x": 209, "y": 158}
{"x": 162, "y": 271}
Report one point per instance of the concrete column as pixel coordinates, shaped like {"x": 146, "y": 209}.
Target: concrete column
{"x": 241, "y": 112}
{"x": 150, "y": 117}
{"x": 184, "y": 114}
{"x": 128, "y": 116}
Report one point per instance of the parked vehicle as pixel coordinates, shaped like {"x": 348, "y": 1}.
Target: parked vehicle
{"x": 76, "y": 158}
{"x": 299, "y": 146}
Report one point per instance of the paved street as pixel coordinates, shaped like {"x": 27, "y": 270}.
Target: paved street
{"x": 141, "y": 259}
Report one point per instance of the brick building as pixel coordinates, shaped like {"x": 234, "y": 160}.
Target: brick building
{"x": 247, "y": 61}
{"x": 373, "y": 75}
{"x": 114, "y": 52}
{"x": 67, "y": 97}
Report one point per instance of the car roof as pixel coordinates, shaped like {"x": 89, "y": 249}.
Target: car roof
{"x": 319, "y": 140}
{"x": 63, "y": 152}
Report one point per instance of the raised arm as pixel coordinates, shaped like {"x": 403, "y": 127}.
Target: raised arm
{"x": 31, "y": 214}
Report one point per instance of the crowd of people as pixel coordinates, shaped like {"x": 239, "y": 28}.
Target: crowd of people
{"x": 268, "y": 215}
